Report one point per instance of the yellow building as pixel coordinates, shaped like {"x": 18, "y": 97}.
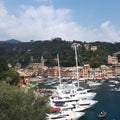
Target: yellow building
{"x": 112, "y": 59}
{"x": 93, "y": 48}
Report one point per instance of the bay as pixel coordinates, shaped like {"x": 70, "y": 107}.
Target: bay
{"x": 109, "y": 101}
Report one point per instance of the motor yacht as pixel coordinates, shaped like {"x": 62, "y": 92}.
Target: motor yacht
{"x": 87, "y": 103}
{"x": 70, "y": 90}
{"x": 65, "y": 115}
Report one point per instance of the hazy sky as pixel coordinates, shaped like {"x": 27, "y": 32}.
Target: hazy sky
{"x": 83, "y": 20}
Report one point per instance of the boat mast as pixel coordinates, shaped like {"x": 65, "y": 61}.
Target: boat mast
{"x": 59, "y": 69}
{"x": 75, "y": 45}
{"x": 42, "y": 65}
{"x": 76, "y": 58}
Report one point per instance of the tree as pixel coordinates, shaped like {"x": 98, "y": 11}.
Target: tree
{"x": 3, "y": 65}
{"x": 15, "y": 104}
{"x": 11, "y": 77}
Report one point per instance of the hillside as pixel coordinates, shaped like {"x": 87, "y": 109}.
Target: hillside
{"x": 13, "y": 41}
{"x": 26, "y": 52}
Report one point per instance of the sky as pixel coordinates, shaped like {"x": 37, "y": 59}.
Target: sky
{"x": 81, "y": 20}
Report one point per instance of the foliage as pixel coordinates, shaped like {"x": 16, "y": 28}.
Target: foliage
{"x": 11, "y": 77}
{"x": 23, "y": 51}
{"x": 16, "y": 105}
{"x": 8, "y": 75}
{"x": 3, "y": 65}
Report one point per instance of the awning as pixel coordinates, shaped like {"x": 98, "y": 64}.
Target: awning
{"x": 55, "y": 110}
{"x": 57, "y": 103}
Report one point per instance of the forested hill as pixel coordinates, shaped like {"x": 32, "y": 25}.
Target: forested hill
{"x": 26, "y": 52}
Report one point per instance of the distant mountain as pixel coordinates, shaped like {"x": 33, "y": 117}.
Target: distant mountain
{"x": 13, "y": 41}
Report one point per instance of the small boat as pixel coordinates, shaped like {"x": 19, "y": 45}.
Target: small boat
{"x": 116, "y": 89}
{"x": 102, "y": 114}
{"x": 94, "y": 84}
{"x": 112, "y": 85}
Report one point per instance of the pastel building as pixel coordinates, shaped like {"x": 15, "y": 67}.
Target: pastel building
{"x": 112, "y": 59}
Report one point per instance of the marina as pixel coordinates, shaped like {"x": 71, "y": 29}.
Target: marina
{"x": 74, "y": 101}
{"x": 107, "y": 101}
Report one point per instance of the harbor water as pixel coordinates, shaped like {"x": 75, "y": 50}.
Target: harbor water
{"x": 109, "y": 101}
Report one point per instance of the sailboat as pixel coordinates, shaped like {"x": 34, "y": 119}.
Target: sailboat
{"x": 70, "y": 90}
{"x": 59, "y": 69}
{"x": 75, "y": 45}
{"x": 74, "y": 100}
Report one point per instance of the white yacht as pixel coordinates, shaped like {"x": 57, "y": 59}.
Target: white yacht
{"x": 87, "y": 103}
{"x": 94, "y": 84}
{"x": 72, "y": 104}
{"x": 73, "y": 98}
{"x": 61, "y": 105}
{"x": 70, "y": 90}
{"x": 65, "y": 115}
{"x": 115, "y": 89}
{"x": 79, "y": 108}
{"x": 74, "y": 115}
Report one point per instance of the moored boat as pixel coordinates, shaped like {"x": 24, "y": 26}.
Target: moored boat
{"x": 65, "y": 115}
{"x": 116, "y": 89}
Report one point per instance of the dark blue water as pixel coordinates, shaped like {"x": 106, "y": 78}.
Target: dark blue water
{"x": 109, "y": 101}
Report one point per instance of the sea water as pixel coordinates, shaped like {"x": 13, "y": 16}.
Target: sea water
{"x": 109, "y": 101}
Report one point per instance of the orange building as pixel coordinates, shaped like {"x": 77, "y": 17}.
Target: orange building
{"x": 86, "y": 70}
